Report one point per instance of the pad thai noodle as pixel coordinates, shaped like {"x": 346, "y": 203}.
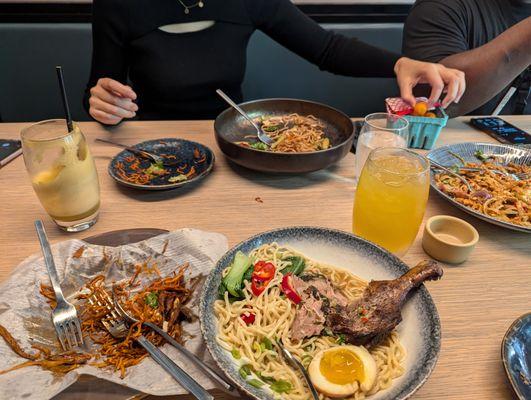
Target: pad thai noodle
{"x": 293, "y": 133}
{"x": 494, "y": 191}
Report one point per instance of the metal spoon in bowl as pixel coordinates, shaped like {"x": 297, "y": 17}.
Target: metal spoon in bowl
{"x": 296, "y": 364}
{"x": 262, "y": 136}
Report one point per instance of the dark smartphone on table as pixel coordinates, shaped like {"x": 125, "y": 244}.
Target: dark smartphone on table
{"x": 9, "y": 150}
{"x": 501, "y": 130}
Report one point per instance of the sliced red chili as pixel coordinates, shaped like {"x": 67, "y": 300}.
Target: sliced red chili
{"x": 289, "y": 290}
{"x": 257, "y": 287}
{"x": 262, "y": 274}
{"x": 248, "y": 317}
{"x": 264, "y": 271}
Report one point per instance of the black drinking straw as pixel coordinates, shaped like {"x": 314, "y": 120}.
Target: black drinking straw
{"x": 69, "y": 124}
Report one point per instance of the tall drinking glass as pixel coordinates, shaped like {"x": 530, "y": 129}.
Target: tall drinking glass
{"x": 391, "y": 198}
{"x": 380, "y": 130}
{"x": 62, "y": 173}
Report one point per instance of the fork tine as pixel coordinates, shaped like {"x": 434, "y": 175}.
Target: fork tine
{"x": 64, "y": 327}
{"x": 77, "y": 327}
{"x": 61, "y": 336}
{"x": 71, "y": 327}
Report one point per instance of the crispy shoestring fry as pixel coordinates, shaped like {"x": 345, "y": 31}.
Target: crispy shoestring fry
{"x": 162, "y": 302}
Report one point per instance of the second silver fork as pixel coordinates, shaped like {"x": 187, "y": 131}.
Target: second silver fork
{"x": 64, "y": 315}
{"x": 117, "y": 327}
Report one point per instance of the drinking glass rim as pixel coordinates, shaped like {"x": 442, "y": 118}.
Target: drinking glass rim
{"x": 398, "y": 117}
{"x": 58, "y": 137}
{"x": 424, "y": 161}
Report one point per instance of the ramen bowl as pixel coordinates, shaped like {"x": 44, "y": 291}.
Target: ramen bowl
{"x": 230, "y": 127}
{"x": 419, "y": 332}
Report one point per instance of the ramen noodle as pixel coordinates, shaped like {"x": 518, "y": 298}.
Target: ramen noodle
{"x": 274, "y": 316}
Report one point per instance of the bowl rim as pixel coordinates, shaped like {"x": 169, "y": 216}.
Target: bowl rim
{"x": 504, "y": 353}
{"x": 427, "y": 368}
{"x": 284, "y": 154}
{"x": 457, "y": 221}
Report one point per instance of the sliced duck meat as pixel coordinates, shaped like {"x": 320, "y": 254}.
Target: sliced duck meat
{"x": 317, "y": 297}
{"x": 369, "y": 319}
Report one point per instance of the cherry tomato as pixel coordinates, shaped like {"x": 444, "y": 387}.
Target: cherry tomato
{"x": 420, "y": 109}
{"x": 430, "y": 115}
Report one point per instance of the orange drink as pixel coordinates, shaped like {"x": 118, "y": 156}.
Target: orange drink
{"x": 391, "y": 198}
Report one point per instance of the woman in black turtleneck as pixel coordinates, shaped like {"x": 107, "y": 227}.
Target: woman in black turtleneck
{"x": 174, "y": 75}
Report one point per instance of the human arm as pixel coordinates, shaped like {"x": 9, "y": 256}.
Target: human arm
{"x": 438, "y": 31}
{"x": 106, "y": 98}
{"x": 492, "y": 67}
{"x": 285, "y": 23}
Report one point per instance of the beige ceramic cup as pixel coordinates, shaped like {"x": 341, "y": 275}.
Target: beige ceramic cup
{"x": 449, "y": 239}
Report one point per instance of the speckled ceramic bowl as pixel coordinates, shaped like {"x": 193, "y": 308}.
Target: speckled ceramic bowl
{"x": 517, "y": 357}
{"x": 419, "y": 332}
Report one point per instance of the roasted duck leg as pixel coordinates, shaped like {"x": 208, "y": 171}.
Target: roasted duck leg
{"x": 372, "y": 317}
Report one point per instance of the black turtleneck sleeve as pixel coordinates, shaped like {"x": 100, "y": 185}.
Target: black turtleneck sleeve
{"x": 332, "y": 52}
{"x": 175, "y": 74}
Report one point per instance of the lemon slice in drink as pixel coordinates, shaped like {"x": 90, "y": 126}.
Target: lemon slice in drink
{"x": 47, "y": 176}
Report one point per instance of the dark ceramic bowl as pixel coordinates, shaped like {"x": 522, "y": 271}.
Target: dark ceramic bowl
{"x": 419, "y": 331}
{"x": 182, "y": 149}
{"x": 231, "y": 127}
{"x": 516, "y": 356}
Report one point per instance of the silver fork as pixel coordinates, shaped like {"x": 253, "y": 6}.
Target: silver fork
{"x": 64, "y": 316}
{"x": 520, "y": 176}
{"x": 297, "y": 365}
{"x": 262, "y": 136}
{"x": 183, "y": 350}
{"x": 142, "y": 153}
{"x": 117, "y": 327}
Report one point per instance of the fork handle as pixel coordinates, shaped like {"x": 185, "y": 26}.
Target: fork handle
{"x": 185, "y": 380}
{"x": 133, "y": 150}
{"x": 48, "y": 261}
{"x": 222, "y": 94}
{"x": 192, "y": 357}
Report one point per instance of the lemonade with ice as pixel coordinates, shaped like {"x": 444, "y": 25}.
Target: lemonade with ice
{"x": 391, "y": 198}
{"x": 62, "y": 173}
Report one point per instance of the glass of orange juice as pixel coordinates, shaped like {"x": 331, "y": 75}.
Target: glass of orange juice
{"x": 62, "y": 173}
{"x": 391, "y": 198}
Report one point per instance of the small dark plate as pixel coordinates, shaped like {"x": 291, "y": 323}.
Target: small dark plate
{"x": 183, "y": 150}
{"x": 231, "y": 127}
{"x": 516, "y": 356}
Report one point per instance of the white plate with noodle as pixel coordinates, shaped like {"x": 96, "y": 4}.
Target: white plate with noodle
{"x": 404, "y": 359}
{"x": 497, "y": 199}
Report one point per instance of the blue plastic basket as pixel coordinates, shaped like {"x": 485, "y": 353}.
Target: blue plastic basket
{"x": 424, "y": 131}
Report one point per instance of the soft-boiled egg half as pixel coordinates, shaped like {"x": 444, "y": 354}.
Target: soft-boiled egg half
{"x": 339, "y": 371}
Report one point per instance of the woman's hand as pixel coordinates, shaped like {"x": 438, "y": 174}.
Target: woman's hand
{"x": 110, "y": 101}
{"x": 409, "y": 73}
